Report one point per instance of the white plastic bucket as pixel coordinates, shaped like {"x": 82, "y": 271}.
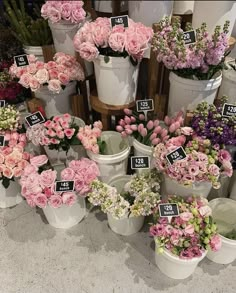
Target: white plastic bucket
{"x": 115, "y": 161}
{"x": 228, "y": 85}
{"x": 174, "y": 267}
{"x": 185, "y": 93}
{"x": 11, "y": 196}
{"x": 65, "y": 216}
{"x": 37, "y": 51}
{"x": 223, "y": 191}
{"x": 57, "y": 104}
{"x": 224, "y": 214}
{"x": 183, "y": 7}
{"x": 116, "y": 80}
{"x": 233, "y": 186}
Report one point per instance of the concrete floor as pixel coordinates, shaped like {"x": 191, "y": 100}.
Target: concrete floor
{"x": 36, "y": 258}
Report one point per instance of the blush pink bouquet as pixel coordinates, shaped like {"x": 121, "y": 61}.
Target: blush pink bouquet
{"x": 38, "y": 182}
{"x": 55, "y": 74}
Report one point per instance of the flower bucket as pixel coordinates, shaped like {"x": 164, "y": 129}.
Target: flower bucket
{"x": 57, "y": 104}
{"x": 66, "y": 217}
{"x": 11, "y": 196}
{"x": 233, "y": 186}
{"x": 118, "y": 74}
{"x": 224, "y": 214}
{"x": 172, "y": 187}
{"x": 183, "y": 7}
{"x": 228, "y": 85}
{"x": 37, "y": 51}
{"x": 185, "y": 93}
{"x": 141, "y": 149}
{"x": 175, "y": 267}
{"x": 223, "y": 191}
{"x": 106, "y": 6}
{"x": 115, "y": 161}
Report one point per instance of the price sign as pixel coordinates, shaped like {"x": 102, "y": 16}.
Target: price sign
{"x": 168, "y": 209}
{"x": 21, "y": 60}
{"x": 122, "y": 20}
{"x": 65, "y": 186}
{"x": 2, "y": 140}
{"x": 178, "y": 154}
{"x": 144, "y": 105}
{"x": 35, "y": 118}
{"x": 139, "y": 162}
{"x": 2, "y": 103}
{"x": 229, "y": 110}
{"x": 189, "y": 37}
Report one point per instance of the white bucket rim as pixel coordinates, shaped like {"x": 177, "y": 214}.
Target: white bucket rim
{"x": 193, "y": 186}
{"x": 114, "y": 62}
{"x": 142, "y": 146}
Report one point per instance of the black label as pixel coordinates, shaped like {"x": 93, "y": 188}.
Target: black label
{"x": 2, "y": 103}
{"x": 178, "y": 154}
{"x": 168, "y": 209}
{"x": 65, "y": 186}
{"x": 21, "y": 60}
{"x": 139, "y": 162}
{"x": 144, "y": 105}
{"x": 189, "y": 37}
{"x": 35, "y": 118}
{"x": 120, "y": 20}
{"x": 2, "y": 140}
{"x": 229, "y": 110}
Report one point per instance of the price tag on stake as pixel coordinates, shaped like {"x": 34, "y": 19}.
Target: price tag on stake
{"x": 65, "y": 186}
{"x": 2, "y": 103}
{"x": 178, "y": 154}
{"x": 21, "y": 60}
{"x": 35, "y": 118}
{"x": 120, "y": 20}
{"x": 2, "y": 141}
{"x": 189, "y": 37}
{"x": 168, "y": 210}
{"x": 229, "y": 110}
{"x": 144, "y": 105}
{"x": 140, "y": 162}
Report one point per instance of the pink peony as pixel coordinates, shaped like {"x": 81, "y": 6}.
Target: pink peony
{"x": 41, "y": 200}
{"x": 69, "y": 198}
{"x": 55, "y": 201}
{"x": 117, "y": 41}
{"x": 68, "y": 174}
{"x": 39, "y": 161}
{"x": 25, "y": 80}
{"x": 47, "y": 178}
{"x": 88, "y": 51}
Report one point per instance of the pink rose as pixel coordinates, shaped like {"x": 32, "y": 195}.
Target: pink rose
{"x": 215, "y": 243}
{"x": 22, "y": 164}
{"x": 55, "y": 201}
{"x": 53, "y": 73}
{"x": 117, "y": 41}
{"x": 60, "y": 134}
{"x": 17, "y": 172}
{"x": 42, "y": 76}
{"x": 68, "y": 174}
{"x": 77, "y": 14}
{"x": 224, "y": 155}
{"x": 32, "y": 58}
{"x": 54, "y": 14}
{"x": 40, "y": 200}
{"x": 205, "y": 211}
{"x": 30, "y": 169}
{"x": 88, "y": 51}
{"x": 51, "y": 133}
{"x": 34, "y": 84}
{"x": 63, "y": 78}
{"x": 39, "y": 65}
{"x": 8, "y": 172}
{"x": 69, "y": 198}
{"x": 1, "y": 159}
{"x": 39, "y": 161}
{"x": 66, "y": 10}
{"x": 22, "y": 137}
{"x": 10, "y": 162}
{"x": 30, "y": 200}
{"x": 186, "y": 130}
{"x": 54, "y": 85}
{"x": 214, "y": 170}
{"x": 31, "y": 68}
{"x": 69, "y": 132}
{"x": 47, "y": 178}
{"x": 25, "y": 80}
{"x": 186, "y": 216}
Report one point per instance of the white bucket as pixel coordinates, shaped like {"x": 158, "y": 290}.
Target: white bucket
{"x": 116, "y": 80}
{"x": 233, "y": 186}
{"x": 175, "y": 267}
{"x": 183, "y": 7}
{"x": 37, "y": 51}
{"x": 224, "y": 214}
{"x": 223, "y": 191}
{"x": 115, "y": 161}
{"x": 11, "y": 196}
{"x": 185, "y": 93}
{"x": 228, "y": 85}
{"x": 106, "y": 6}
{"x": 57, "y": 104}
{"x": 65, "y": 216}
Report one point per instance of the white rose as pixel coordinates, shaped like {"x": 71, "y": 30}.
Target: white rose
{"x": 42, "y": 76}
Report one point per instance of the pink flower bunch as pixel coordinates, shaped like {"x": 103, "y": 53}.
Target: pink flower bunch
{"x": 38, "y": 187}
{"x": 90, "y": 137}
{"x": 190, "y": 233}
{"x": 150, "y": 132}
{"x": 98, "y": 37}
{"x": 70, "y": 11}
{"x": 55, "y": 74}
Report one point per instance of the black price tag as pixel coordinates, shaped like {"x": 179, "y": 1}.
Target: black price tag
{"x": 144, "y": 105}
{"x": 189, "y": 37}
{"x": 65, "y": 186}
{"x": 139, "y": 162}
{"x": 21, "y": 60}
{"x": 122, "y": 20}
{"x": 2, "y": 103}
{"x": 2, "y": 141}
{"x": 229, "y": 110}
{"x": 178, "y": 154}
{"x": 35, "y": 118}
{"x": 168, "y": 209}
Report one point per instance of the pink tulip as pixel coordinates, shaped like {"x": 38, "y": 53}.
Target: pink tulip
{"x": 155, "y": 141}
{"x": 167, "y": 121}
{"x": 140, "y": 127}
{"x": 127, "y": 120}
{"x": 177, "y": 125}
{"x": 119, "y": 128}
{"x": 133, "y": 119}
{"x": 165, "y": 138}
{"x": 154, "y": 135}
{"x": 134, "y": 127}
{"x": 164, "y": 132}
{"x": 141, "y": 117}
{"x": 156, "y": 123}
{"x": 122, "y": 122}
{"x": 150, "y": 125}
{"x": 158, "y": 129}
{"x": 143, "y": 132}
{"x": 172, "y": 128}
{"x": 127, "y": 111}
{"x": 128, "y": 131}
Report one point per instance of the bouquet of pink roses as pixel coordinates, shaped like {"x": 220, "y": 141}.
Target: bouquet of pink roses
{"x": 38, "y": 182}
{"x": 55, "y": 74}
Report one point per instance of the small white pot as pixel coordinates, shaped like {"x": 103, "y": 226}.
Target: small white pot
{"x": 224, "y": 214}
{"x": 66, "y": 217}
{"x": 37, "y": 51}
{"x": 115, "y": 161}
{"x": 11, "y": 196}
{"x": 228, "y": 86}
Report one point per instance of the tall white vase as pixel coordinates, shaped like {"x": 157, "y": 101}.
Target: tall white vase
{"x": 11, "y": 196}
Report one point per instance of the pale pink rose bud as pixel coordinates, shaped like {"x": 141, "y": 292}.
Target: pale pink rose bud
{"x": 128, "y": 111}
{"x": 141, "y": 117}
{"x": 119, "y": 128}
{"x": 155, "y": 141}
{"x": 150, "y": 125}
{"x": 143, "y": 132}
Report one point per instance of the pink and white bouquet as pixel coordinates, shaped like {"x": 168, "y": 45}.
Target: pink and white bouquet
{"x": 55, "y": 74}
{"x": 70, "y": 11}
{"x": 38, "y": 182}
{"x": 99, "y": 37}
{"x": 189, "y": 234}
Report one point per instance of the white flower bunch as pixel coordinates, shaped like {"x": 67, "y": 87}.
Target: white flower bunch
{"x": 9, "y": 118}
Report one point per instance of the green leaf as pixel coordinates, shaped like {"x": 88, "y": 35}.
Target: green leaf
{"x": 106, "y": 59}
{"x": 5, "y": 182}
{"x": 102, "y": 147}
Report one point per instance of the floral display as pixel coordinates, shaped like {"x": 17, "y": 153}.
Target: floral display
{"x": 98, "y": 37}
{"x": 71, "y": 11}
{"x": 200, "y": 60}
{"x": 139, "y": 197}
{"x": 55, "y": 74}
{"x": 190, "y": 233}
{"x": 9, "y": 118}
{"x": 38, "y": 182}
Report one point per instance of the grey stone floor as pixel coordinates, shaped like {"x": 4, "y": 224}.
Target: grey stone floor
{"x": 36, "y": 258}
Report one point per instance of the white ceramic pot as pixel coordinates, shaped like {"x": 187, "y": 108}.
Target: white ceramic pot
{"x": 106, "y": 6}
{"x": 11, "y": 196}
{"x": 183, "y": 7}
{"x": 118, "y": 74}
{"x": 185, "y": 93}
{"x": 228, "y": 85}
{"x": 37, "y": 51}
{"x": 224, "y": 214}
{"x": 66, "y": 217}
{"x": 141, "y": 149}
{"x": 115, "y": 160}
{"x": 233, "y": 186}
{"x": 223, "y": 191}
{"x": 174, "y": 267}
{"x": 57, "y": 104}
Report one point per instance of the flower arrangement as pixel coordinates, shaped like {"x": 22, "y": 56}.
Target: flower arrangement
{"x": 200, "y": 60}
{"x": 208, "y": 122}
{"x": 38, "y": 182}
{"x": 55, "y": 74}
{"x": 139, "y": 197}
{"x": 190, "y": 233}
{"x": 9, "y": 118}
{"x": 98, "y": 37}
{"x": 70, "y": 11}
